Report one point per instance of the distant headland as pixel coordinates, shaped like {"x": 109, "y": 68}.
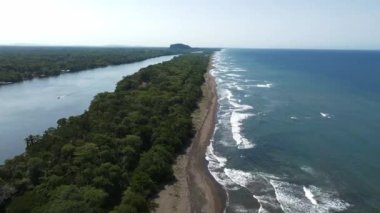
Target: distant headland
{"x": 180, "y": 46}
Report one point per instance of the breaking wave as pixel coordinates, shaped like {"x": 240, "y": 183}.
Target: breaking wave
{"x": 309, "y": 195}
{"x": 325, "y": 115}
{"x": 236, "y": 122}
{"x": 263, "y": 85}
{"x": 273, "y": 193}
{"x": 296, "y": 199}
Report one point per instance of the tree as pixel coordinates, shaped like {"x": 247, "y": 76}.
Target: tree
{"x": 118, "y": 153}
{"x": 69, "y": 198}
{"x": 35, "y": 169}
{"x": 86, "y": 153}
{"x": 31, "y": 140}
{"x": 133, "y": 203}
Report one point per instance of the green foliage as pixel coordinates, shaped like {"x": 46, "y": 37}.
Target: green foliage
{"x": 28, "y": 201}
{"x": 69, "y": 198}
{"x": 20, "y": 63}
{"x": 115, "y": 156}
{"x": 133, "y": 203}
{"x": 35, "y": 169}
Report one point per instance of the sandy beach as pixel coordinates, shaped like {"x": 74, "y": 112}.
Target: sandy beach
{"x": 195, "y": 189}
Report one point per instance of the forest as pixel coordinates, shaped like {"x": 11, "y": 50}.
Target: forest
{"x": 118, "y": 154}
{"x": 19, "y": 63}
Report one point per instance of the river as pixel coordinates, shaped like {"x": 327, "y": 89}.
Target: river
{"x": 32, "y": 106}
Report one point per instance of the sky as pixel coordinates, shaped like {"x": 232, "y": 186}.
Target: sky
{"x": 310, "y": 24}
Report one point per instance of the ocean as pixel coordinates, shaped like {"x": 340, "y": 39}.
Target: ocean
{"x": 297, "y": 130}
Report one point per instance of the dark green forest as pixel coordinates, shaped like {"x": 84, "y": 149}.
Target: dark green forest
{"x": 21, "y": 63}
{"x": 118, "y": 154}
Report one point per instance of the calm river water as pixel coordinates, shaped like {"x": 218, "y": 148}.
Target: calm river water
{"x": 30, "y": 107}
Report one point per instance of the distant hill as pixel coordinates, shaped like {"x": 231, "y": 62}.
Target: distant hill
{"x": 180, "y": 46}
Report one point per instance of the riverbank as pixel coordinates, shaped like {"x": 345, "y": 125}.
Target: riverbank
{"x": 75, "y": 92}
{"x": 20, "y": 63}
{"x": 5, "y": 83}
{"x": 195, "y": 189}
{"x": 142, "y": 136}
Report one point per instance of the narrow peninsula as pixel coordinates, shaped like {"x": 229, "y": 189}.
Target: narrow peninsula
{"x": 118, "y": 155}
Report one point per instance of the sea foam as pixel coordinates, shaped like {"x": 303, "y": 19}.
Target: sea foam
{"x": 256, "y": 183}
{"x": 275, "y": 194}
{"x": 239, "y": 177}
{"x": 215, "y": 166}
{"x": 325, "y": 115}
{"x": 237, "y": 69}
{"x": 215, "y": 160}
{"x": 308, "y": 170}
{"x": 239, "y": 107}
{"x": 233, "y": 75}
{"x": 236, "y": 122}
{"x": 237, "y": 115}
{"x": 310, "y": 196}
{"x": 268, "y": 85}
{"x": 295, "y": 199}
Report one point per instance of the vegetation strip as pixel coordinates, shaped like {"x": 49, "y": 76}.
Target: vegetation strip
{"x": 118, "y": 154}
{"x": 23, "y": 63}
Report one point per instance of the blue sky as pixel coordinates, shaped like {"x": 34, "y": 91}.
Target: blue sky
{"x": 322, "y": 24}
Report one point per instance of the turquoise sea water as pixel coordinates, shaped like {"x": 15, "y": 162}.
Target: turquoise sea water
{"x": 298, "y": 130}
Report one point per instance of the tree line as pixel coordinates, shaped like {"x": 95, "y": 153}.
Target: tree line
{"x": 22, "y": 63}
{"x": 115, "y": 156}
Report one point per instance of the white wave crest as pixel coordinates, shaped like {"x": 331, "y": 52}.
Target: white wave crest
{"x": 310, "y": 196}
{"x": 293, "y": 199}
{"x": 237, "y": 87}
{"x": 258, "y": 184}
{"x": 273, "y": 193}
{"x": 268, "y": 85}
{"x": 215, "y": 166}
{"x": 215, "y": 160}
{"x": 308, "y": 169}
{"x": 239, "y": 177}
{"x": 233, "y": 75}
{"x": 325, "y": 115}
{"x": 236, "y": 122}
{"x": 237, "y": 69}
{"x": 240, "y": 107}
{"x": 226, "y": 94}
{"x": 264, "y": 201}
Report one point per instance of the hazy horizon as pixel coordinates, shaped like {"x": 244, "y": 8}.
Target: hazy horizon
{"x": 142, "y": 46}
{"x": 270, "y": 24}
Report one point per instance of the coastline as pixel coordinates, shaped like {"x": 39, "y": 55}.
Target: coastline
{"x": 5, "y": 83}
{"x": 196, "y": 190}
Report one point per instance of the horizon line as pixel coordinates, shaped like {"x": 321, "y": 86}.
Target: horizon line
{"x": 226, "y": 47}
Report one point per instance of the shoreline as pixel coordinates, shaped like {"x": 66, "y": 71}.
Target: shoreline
{"x": 196, "y": 190}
